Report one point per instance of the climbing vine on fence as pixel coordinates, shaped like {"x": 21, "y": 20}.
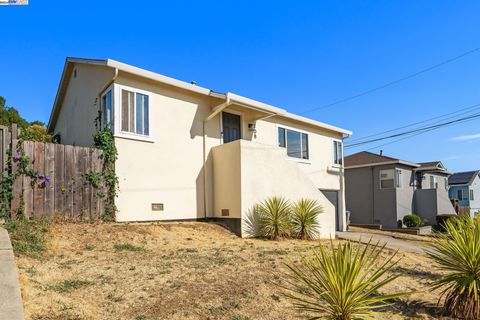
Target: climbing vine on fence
{"x": 107, "y": 178}
{"x": 23, "y": 166}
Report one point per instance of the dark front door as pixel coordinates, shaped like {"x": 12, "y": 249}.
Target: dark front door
{"x": 332, "y": 196}
{"x": 231, "y": 127}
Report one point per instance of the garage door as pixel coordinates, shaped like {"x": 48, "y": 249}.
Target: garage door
{"x": 332, "y": 196}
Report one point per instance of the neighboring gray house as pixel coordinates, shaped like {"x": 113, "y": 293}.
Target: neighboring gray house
{"x": 465, "y": 187}
{"x": 382, "y": 190}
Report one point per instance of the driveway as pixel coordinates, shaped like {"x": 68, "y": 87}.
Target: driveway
{"x": 389, "y": 241}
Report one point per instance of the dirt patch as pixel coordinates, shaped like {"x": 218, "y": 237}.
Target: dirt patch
{"x": 180, "y": 271}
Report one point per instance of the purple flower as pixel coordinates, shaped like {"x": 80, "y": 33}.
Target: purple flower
{"x": 18, "y": 155}
{"x": 37, "y": 175}
{"x": 46, "y": 180}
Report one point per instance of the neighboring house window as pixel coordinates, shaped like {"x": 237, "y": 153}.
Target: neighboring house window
{"x": 471, "y": 195}
{"x": 338, "y": 153}
{"x": 295, "y": 142}
{"x": 398, "y": 176}
{"x": 433, "y": 182}
{"x": 462, "y": 195}
{"x": 387, "y": 179}
{"x": 135, "y": 113}
{"x": 107, "y": 110}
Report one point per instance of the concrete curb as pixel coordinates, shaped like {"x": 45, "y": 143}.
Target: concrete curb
{"x": 11, "y": 306}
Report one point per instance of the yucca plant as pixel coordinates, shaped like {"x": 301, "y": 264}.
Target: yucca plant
{"x": 457, "y": 252}
{"x": 340, "y": 283}
{"x": 305, "y": 213}
{"x": 273, "y": 218}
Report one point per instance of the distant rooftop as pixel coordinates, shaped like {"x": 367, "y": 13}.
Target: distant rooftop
{"x": 368, "y": 159}
{"x": 461, "y": 178}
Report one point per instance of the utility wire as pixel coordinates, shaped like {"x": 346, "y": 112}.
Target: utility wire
{"x": 427, "y": 128}
{"x": 444, "y": 117}
{"x": 391, "y": 83}
{"x": 411, "y": 136}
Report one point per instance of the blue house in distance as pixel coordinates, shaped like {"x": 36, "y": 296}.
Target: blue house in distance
{"x": 465, "y": 187}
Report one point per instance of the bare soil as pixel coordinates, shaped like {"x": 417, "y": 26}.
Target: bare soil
{"x": 181, "y": 271}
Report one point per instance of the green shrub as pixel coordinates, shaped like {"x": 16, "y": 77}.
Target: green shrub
{"x": 273, "y": 218}
{"x": 28, "y": 236}
{"x": 340, "y": 283}
{"x": 305, "y": 213}
{"x": 457, "y": 253}
{"x": 412, "y": 221}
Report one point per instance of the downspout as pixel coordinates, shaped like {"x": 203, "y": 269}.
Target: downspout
{"x": 342, "y": 186}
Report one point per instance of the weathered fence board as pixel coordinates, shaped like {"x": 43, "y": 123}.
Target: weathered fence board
{"x": 60, "y": 185}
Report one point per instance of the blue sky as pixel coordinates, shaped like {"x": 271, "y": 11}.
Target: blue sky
{"x": 296, "y": 55}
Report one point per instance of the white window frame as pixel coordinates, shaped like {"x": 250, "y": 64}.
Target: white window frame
{"x": 335, "y": 163}
{"x": 394, "y": 178}
{"x": 118, "y": 117}
{"x": 112, "y": 116}
{"x": 301, "y": 142}
{"x": 471, "y": 195}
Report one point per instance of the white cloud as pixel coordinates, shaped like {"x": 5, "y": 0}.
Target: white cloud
{"x": 469, "y": 137}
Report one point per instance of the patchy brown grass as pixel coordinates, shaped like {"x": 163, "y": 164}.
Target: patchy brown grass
{"x": 179, "y": 271}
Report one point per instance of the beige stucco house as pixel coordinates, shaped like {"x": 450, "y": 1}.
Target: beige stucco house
{"x": 190, "y": 153}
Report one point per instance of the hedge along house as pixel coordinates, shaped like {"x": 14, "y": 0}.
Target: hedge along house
{"x": 392, "y": 188}
{"x": 189, "y": 153}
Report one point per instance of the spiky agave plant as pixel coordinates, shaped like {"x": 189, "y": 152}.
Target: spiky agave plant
{"x": 457, "y": 252}
{"x": 340, "y": 283}
{"x": 305, "y": 213}
{"x": 274, "y": 218}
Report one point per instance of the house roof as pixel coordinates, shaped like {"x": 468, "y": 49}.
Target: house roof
{"x": 463, "y": 178}
{"x": 179, "y": 84}
{"x": 369, "y": 159}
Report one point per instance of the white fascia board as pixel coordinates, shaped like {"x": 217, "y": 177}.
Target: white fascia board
{"x": 317, "y": 123}
{"x": 157, "y": 77}
{"x": 256, "y": 104}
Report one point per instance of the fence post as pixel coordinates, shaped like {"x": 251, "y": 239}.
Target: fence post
{"x": 3, "y": 148}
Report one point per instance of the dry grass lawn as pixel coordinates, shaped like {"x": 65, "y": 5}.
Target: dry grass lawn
{"x": 179, "y": 271}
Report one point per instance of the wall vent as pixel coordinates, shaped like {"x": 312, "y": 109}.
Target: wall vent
{"x": 157, "y": 206}
{"x": 225, "y": 212}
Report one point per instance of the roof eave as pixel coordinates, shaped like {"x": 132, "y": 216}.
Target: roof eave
{"x": 383, "y": 164}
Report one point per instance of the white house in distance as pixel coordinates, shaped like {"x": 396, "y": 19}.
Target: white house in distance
{"x": 190, "y": 153}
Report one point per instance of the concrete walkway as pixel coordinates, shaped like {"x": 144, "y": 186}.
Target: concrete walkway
{"x": 11, "y": 306}
{"x": 390, "y": 242}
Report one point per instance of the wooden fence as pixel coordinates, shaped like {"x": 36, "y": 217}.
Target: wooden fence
{"x": 63, "y": 188}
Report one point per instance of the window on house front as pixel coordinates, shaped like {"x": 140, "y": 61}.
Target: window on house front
{"x": 399, "y": 179}
{"x": 471, "y": 195}
{"x": 296, "y": 143}
{"x": 338, "y": 153}
{"x": 281, "y": 137}
{"x": 459, "y": 194}
{"x": 107, "y": 110}
{"x": 387, "y": 179}
{"x": 135, "y": 113}
{"x": 433, "y": 182}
